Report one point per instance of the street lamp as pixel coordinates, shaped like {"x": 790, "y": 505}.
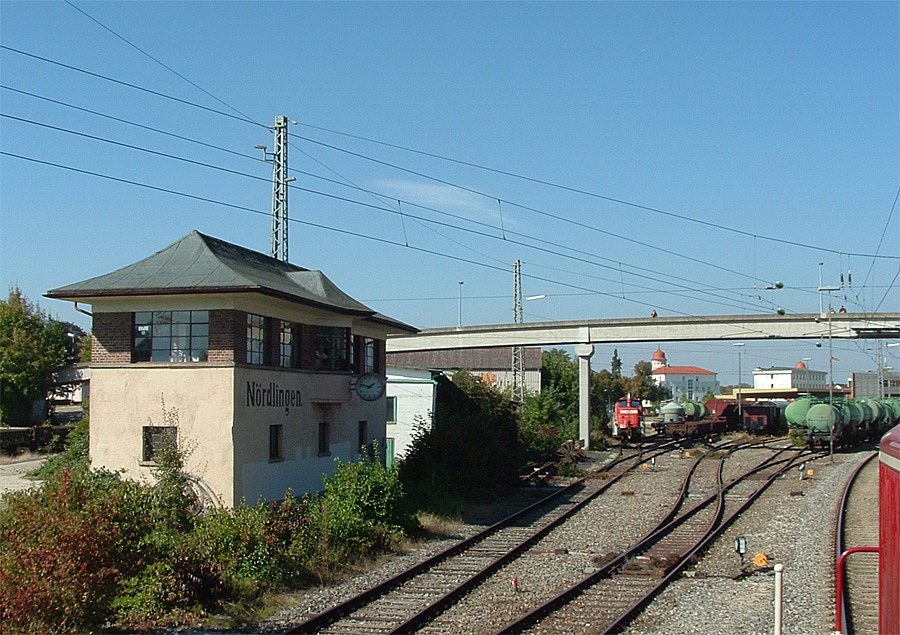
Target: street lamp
{"x": 740, "y": 411}
{"x": 829, "y": 289}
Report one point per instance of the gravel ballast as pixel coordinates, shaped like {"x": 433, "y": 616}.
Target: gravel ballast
{"x": 792, "y": 524}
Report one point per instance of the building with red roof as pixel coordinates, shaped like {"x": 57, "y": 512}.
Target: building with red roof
{"x": 690, "y": 382}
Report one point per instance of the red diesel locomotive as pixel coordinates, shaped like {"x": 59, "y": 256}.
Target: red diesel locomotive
{"x": 628, "y": 420}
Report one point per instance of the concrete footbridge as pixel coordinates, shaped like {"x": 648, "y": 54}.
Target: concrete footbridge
{"x": 585, "y": 333}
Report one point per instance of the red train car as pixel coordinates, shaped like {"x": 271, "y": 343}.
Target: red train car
{"x": 889, "y": 533}
{"x": 629, "y": 418}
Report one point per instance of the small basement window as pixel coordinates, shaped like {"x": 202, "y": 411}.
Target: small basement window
{"x": 157, "y": 439}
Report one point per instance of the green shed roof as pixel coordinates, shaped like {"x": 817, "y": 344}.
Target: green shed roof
{"x": 202, "y": 264}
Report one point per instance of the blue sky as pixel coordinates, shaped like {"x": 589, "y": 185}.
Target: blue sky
{"x": 705, "y": 150}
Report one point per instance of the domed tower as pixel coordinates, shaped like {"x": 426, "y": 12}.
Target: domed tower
{"x": 800, "y": 365}
{"x": 658, "y": 360}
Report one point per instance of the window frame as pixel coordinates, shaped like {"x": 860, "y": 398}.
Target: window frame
{"x": 257, "y": 339}
{"x": 324, "y": 438}
{"x": 391, "y": 412}
{"x": 168, "y": 337}
{"x": 293, "y": 331}
{"x": 168, "y": 438}
{"x": 332, "y": 348}
{"x": 276, "y": 442}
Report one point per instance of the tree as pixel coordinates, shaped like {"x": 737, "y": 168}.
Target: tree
{"x": 471, "y": 453}
{"x": 615, "y": 366}
{"x": 32, "y": 346}
{"x": 643, "y": 386}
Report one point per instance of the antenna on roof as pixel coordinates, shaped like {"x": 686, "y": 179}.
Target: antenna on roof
{"x": 280, "y": 179}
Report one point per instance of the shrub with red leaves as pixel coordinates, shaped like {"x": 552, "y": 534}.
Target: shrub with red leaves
{"x": 65, "y": 546}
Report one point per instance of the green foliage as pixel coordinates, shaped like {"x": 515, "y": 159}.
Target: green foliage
{"x": 33, "y": 346}
{"x": 471, "y": 453}
{"x": 65, "y": 546}
{"x": 87, "y": 547}
{"x": 84, "y": 348}
{"x": 75, "y": 455}
{"x": 615, "y": 367}
{"x": 644, "y": 387}
{"x": 361, "y": 509}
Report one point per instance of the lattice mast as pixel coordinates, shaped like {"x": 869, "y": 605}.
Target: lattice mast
{"x": 279, "y": 241}
{"x": 518, "y": 352}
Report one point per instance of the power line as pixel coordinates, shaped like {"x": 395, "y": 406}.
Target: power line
{"x": 575, "y": 190}
{"x": 385, "y": 209}
{"x": 131, "y": 123}
{"x": 464, "y": 188}
{"x": 142, "y": 51}
{"x": 344, "y": 232}
{"x": 130, "y": 85}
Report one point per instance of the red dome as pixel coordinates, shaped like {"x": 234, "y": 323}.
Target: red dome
{"x": 800, "y": 364}
{"x": 659, "y": 356}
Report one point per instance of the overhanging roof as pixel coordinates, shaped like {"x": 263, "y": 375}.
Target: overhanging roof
{"x": 199, "y": 263}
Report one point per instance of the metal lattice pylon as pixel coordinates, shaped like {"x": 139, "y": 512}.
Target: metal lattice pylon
{"x": 279, "y": 242}
{"x": 518, "y": 352}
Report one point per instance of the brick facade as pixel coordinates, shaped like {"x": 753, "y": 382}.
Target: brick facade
{"x": 112, "y": 338}
{"x": 227, "y": 336}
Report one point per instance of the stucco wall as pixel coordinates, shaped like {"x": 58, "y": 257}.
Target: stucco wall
{"x": 415, "y": 393}
{"x": 324, "y": 397}
{"x": 125, "y": 399}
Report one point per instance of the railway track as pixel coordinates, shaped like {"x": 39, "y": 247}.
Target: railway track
{"x": 415, "y": 596}
{"x": 857, "y": 526}
{"x": 609, "y": 598}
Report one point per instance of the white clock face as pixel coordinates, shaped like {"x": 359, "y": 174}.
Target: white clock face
{"x": 370, "y": 386}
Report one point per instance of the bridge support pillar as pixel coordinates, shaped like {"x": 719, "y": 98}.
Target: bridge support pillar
{"x": 584, "y": 352}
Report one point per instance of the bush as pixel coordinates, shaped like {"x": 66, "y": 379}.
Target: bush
{"x": 88, "y": 547}
{"x": 65, "y": 546}
{"x": 75, "y": 455}
{"x": 361, "y": 508}
{"x": 470, "y": 454}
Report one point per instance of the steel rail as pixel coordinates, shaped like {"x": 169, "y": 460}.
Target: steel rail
{"x": 843, "y": 619}
{"x": 343, "y": 609}
{"x": 715, "y": 530}
{"x": 664, "y": 528}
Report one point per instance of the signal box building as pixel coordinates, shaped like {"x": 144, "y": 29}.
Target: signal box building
{"x": 262, "y": 372}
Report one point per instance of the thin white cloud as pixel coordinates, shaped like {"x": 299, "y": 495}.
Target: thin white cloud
{"x": 442, "y": 197}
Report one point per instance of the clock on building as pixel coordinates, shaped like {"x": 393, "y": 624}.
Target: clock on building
{"x": 370, "y": 386}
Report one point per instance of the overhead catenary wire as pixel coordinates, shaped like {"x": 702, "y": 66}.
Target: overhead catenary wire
{"x": 424, "y": 176}
{"x": 567, "y": 188}
{"x": 360, "y": 235}
{"x": 396, "y": 167}
{"x": 437, "y": 180}
{"x": 384, "y": 209}
{"x": 448, "y": 159}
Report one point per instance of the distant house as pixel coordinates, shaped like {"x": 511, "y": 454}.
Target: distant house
{"x": 262, "y": 371}
{"x": 494, "y": 365}
{"x": 798, "y": 376}
{"x": 72, "y": 384}
{"x": 688, "y": 382}
{"x": 866, "y": 384}
{"x": 411, "y": 402}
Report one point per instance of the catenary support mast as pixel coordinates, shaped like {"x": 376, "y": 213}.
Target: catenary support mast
{"x": 279, "y": 241}
{"x": 518, "y": 352}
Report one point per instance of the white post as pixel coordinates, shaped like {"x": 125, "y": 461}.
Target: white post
{"x": 779, "y": 572}
{"x": 584, "y": 352}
